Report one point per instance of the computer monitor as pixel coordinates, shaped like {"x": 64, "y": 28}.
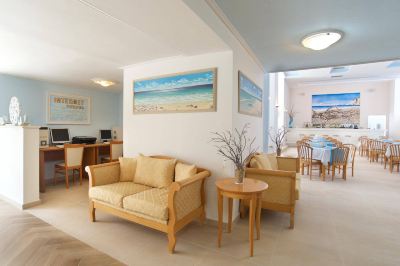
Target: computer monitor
{"x": 105, "y": 134}
{"x": 59, "y": 135}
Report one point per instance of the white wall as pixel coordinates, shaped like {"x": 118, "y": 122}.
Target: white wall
{"x": 394, "y": 117}
{"x": 185, "y": 136}
{"x": 375, "y": 98}
{"x": 19, "y": 164}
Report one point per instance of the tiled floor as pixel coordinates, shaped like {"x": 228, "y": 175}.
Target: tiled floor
{"x": 353, "y": 222}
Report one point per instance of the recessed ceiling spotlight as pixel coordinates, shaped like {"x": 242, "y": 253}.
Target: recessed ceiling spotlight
{"x": 103, "y": 82}
{"x": 321, "y": 40}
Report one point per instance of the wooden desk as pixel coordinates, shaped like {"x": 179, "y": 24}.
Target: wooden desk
{"x": 53, "y": 153}
{"x": 250, "y": 189}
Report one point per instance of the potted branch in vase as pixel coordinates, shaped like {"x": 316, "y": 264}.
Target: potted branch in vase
{"x": 278, "y": 138}
{"x": 235, "y": 147}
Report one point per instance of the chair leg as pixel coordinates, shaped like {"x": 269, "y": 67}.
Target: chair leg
{"x": 333, "y": 171}
{"x": 291, "y": 218}
{"x": 66, "y": 178}
{"x": 92, "y": 211}
{"x": 302, "y": 168}
{"x": 352, "y": 170}
{"x": 73, "y": 176}
{"x": 80, "y": 176}
{"x": 55, "y": 176}
{"x": 242, "y": 209}
{"x": 344, "y": 172}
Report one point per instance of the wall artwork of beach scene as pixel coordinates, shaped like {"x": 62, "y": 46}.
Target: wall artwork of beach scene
{"x": 336, "y": 110}
{"x": 184, "y": 92}
{"x": 250, "y": 97}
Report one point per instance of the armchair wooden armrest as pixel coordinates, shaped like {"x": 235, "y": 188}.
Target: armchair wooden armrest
{"x": 103, "y": 174}
{"x": 288, "y": 164}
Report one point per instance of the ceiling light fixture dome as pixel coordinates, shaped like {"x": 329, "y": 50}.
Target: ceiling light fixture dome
{"x": 321, "y": 40}
{"x": 103, "y": 82}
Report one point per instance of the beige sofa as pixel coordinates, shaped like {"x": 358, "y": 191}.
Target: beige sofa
{"x": 283, "y": 178}
{"x": 158, "y": 192}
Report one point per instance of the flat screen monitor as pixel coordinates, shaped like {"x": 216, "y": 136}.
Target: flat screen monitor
{"x": 59, "y": 135}
{"x": 105, "y": 134}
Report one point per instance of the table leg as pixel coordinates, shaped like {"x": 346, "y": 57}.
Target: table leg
{"x": 230, "y": 207}
{"x": 258, "y": 220}
{"x": 251, "y": 223}
{"x": 220, "y": 212}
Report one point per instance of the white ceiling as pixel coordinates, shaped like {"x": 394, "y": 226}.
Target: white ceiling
{"x": 355, "y": 73}
{"x": 274, "y": 30}
{"x": 72, "y": 41}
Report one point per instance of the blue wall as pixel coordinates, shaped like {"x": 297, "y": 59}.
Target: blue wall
{"x": 32, "y": 94}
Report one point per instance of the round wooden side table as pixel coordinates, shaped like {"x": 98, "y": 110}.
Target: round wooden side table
{"x": 250, "y": 189}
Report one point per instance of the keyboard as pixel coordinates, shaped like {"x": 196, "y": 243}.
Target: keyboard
{"x": 60, "y": 146}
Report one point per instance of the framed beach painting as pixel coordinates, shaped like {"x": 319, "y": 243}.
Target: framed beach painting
{"x": 334, "y": 110}
{"x": 194, "y": 91}
{"x": 250, "y": 97}
{"x": 68, "y": 109}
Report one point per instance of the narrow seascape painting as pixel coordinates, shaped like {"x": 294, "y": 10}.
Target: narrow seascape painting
{"x": 250, "y": 97}
{"x": 336, "y": 110}
{"x": 184, "y": 92}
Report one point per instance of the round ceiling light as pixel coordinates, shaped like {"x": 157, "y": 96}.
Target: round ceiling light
{"x": 321, "y": 40}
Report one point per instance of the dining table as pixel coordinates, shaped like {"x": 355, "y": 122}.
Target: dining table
{"x": 322, "y": 151}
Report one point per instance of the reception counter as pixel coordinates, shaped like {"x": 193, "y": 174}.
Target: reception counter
{"x": 346, "y": 135}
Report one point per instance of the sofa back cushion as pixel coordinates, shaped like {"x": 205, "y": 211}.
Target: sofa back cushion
{"x": 183, "y": 171}
{"x": 154, "y": 172}
{"x": 128, "y": 169}
{"x": 264, "y": 161}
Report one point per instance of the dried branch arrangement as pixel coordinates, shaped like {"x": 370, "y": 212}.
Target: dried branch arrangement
{"x": 278, "y": 137}
{"x": 235, "y": 146}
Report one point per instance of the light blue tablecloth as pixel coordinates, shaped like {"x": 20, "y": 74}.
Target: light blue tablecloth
{"x": 323, "y": 154}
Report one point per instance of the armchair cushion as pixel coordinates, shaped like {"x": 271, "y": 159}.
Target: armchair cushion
{"x": 154, "y": 172}
{"x": 183, "y": 171}
{"x": 152, "y": 202}
{"x": 264, "y": 161}
{"x": 114, "y": 193}
{"x": 128, "y": 169}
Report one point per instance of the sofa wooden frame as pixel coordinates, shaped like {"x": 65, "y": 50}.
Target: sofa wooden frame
{"x": 174, "y": 224}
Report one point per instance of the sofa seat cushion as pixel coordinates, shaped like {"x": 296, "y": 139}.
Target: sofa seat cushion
{"x": 152, "y": 202}
{"x": 114, "y": 193}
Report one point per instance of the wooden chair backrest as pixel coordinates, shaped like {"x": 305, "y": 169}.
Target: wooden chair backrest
{"x": 116, "y": 149}
{"x": 73, "y": 154}
{"x": 395, "y": 151}
{"x": 340, "y": 155}
{"x": 352, "y": 151}
{"x": 305, "y": 152}
{"x": 376, "y": 145}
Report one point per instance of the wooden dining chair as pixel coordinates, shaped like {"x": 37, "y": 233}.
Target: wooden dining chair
{"x": 73, "y": 160}
{"x": 306, "y": 159}
{"x": 377, "y": 149}
{"x": 394, "y": 158}
{"x": 116, "y": 148}
{"x": 363, "y": 140}
{"x": 339, "y": 160}
{"x": 351, "y": 157}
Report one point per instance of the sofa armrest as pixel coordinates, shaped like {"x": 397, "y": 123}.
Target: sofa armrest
{"x": 288, "y": 164}
{"x": 186, "y": 196}
{"x": 103, "y": 174}
{"x": 281, "y": 185}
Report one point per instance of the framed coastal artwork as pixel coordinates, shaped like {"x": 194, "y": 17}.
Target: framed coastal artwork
{"x": 68, "y": 109}
{"x": 250, "y": 96}
{"x": 334, "y": 110}
{"x": 194, "y": 91}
